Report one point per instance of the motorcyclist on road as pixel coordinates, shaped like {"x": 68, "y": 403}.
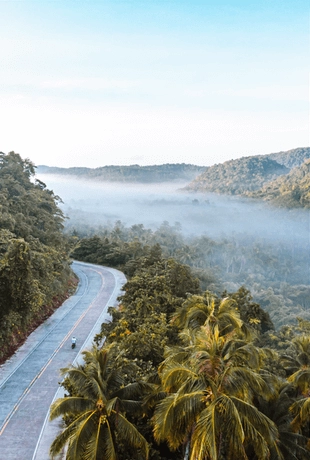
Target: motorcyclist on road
{"x": 73, "y": 342}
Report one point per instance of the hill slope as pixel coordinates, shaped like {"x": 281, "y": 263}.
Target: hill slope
{"x": 235, "y": 177}
{"x": 291, "y": 190}
{"x": 133, "y": 173}
{"x": 247, "y": 175}
{"x": 291, "y": 158}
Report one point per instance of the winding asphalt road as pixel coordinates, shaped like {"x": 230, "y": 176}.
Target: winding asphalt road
{"x": 29, "y": 381}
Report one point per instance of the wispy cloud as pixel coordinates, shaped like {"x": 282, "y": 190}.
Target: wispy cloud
{"x": 94, "y": 84}
{"x": 272, "y": 92}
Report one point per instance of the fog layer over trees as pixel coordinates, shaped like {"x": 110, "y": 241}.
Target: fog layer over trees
{"x": 234, "y": 241}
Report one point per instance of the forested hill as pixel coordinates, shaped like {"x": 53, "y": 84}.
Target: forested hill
{"x": 34, "y": 262}
{"x": 291, "y": 158}
{"x": 235, "y": 177}
{"x": 291, "y": 190}
{"x": 249, "y": 174}
{"x": 134, "y": 173}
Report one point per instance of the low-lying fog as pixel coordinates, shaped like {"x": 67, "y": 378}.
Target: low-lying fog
{"x": 263, "y": 248}
{"x": 216, "y": 216}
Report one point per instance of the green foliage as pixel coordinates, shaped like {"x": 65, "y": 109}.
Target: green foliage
{"x": 97, "y": 426}
{"x": 141, "y": 324}
{"x": 211, "y": 362}
{"x": 276, "y": 273}
{"x": 235, "y": 177}
{"x": 290, "y": 191}
{"x": 211, "y": 358}
{"x": 210, "y": 384}
{"x": 291, "y": 158}
{"x": 280, "y": 178}
{"x": 34, "y": 264}
{"x": 251, "y": 312}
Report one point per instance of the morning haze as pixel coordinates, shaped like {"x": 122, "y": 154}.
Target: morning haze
{"x": 234, "y": 240}
{"x": 99, "y": 203}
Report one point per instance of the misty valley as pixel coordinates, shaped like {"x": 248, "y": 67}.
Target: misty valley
{"x": 229, "y": 241}
{"x": 154, "y": 230}
{"x": 206, "y": 353}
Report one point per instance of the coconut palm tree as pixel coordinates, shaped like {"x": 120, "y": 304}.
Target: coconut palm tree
{"x": 96, "y": 411}
{"x": 209, "y": 407}
{"x": 301, "y": 410}
{"x": 297, "y": 363}
{"x": 198, "y": 310}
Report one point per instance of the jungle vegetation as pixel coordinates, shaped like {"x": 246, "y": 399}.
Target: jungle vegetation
{"x": 34, "y": 264}
{"x": 211, "y": 337}
{"x": 197, "y": 375}
{"x": 291, "y": 190}
{"x": 275, "y": 272}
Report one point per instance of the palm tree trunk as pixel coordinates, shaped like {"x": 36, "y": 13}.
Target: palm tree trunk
{"x": 186, "y": 454}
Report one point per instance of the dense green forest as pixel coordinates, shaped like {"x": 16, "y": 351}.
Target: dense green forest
{"x": 134, "y": 173}
{"x": 290, "y": 158}
{"x": 291, "y": 190}
{"x": 184, "y": 373}
{"x": 207, "y": 356}
{"x": 234, "y": 177}
{"x": 275, "y": 271}
{"x": 35, "y": 273}
{"x": 281, "y": 178}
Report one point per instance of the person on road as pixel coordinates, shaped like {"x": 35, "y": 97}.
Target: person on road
{"x": 73, "y": 342}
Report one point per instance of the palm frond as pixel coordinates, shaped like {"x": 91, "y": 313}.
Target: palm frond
{"x": 129, "y": 433}
{"x": 83, "y": 434}
{"x": 82, "y": 382}
{"x": 301, "y": 410}
{"x": 68, "y": 436}
{"x": 175, "y": 376}
{"x": 257, "y": 419}
{"x": 174, "y": 417}
{"x": 218, "y": 421}
{"x": 100, "y": 444}
{"x": 134, "y": 390}
{"x": 70, "y": 405}
{"x": 246, "y": 382}
{"x": 256, "y": 440}
{"x": 301, "y": 378}
{"x": 61, "y": 440}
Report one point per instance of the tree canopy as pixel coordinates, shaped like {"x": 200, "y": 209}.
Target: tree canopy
{"x": 34, "y": 263}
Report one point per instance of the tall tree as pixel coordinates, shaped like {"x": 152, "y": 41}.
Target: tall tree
{"x": 209, "y": 406}
{"x": 96, "y": 411}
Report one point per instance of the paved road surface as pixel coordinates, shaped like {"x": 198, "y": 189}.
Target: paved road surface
{"x": 29, "y": 381}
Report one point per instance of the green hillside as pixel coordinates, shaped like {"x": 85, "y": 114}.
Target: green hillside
{"x": 291, "y": 158}
{"x": 291, "y": 190}
{"x": 281, "y": 178}
{"x": 235, "y": 177}
{"x": 133, "y": 173}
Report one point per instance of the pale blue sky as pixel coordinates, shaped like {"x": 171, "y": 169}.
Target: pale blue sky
{"x": 91, "y": 83}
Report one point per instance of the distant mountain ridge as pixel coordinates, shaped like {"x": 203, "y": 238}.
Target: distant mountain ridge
{"x": 282, "y": 178}
{"x": 134, "y": 173}
{"x": 261, "y": 176}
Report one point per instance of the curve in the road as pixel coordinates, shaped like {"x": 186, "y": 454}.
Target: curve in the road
{"x": 29, "y": 381}
{"x": 13, "y": 369}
